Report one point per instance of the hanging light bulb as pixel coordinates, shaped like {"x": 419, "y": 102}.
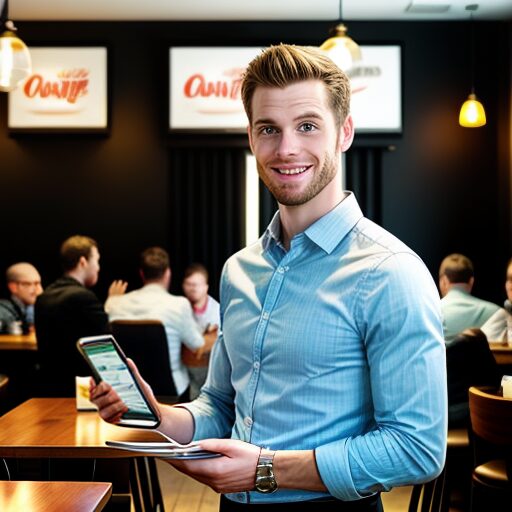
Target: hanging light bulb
{"x": 15, "y": 62}
{"x": 472, "y": 113}
{"x": 343, "y": 50}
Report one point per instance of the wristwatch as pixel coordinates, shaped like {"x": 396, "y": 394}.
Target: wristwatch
{"x": 265, "y": 480}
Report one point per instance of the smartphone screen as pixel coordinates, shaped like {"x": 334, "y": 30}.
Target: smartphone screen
{"x": 109, "y": 364}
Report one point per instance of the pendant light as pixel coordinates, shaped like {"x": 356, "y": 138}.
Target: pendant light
{"x": 341, "y": 48}
{"x": 15, "y": 62}
{"x": 472, "y": 113}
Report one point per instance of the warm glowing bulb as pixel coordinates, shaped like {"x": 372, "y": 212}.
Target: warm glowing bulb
{"x": 15, "y": 63}
{"x": 472, "y": 113}
{"x": 342, "y": 49}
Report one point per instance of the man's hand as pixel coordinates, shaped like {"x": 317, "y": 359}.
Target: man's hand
{"x": 209, "y": 339}
{"x": 117, "y": 287}
{"x": 235, "y": 472}
{"x": 110, "y": 406}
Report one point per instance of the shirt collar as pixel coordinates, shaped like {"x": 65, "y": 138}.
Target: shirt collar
{"x": 328, "y": 231}
{"x": 459, "y": 289}
{"x": 155, "y": 287}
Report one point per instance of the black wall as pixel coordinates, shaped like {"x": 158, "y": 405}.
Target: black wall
{"x": 444, "y": 188}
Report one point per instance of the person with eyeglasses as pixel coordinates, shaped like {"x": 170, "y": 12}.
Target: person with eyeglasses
{"x": 17, "y": 312}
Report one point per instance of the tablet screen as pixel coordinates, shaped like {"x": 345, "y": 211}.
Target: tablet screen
{"x": 114, "y": 370}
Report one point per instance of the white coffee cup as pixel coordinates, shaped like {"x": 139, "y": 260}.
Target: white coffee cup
{"x": 506, "y": 384}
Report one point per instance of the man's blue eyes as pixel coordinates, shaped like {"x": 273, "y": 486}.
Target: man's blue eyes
{"x": 306, "y": 127}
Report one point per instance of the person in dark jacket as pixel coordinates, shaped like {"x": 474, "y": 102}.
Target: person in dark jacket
{"x": 68, "y": 310}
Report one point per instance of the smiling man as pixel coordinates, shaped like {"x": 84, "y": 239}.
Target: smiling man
{"x": 327, "y": 384}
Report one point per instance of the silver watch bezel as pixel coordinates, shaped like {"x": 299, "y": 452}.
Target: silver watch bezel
{"x": 265, "y": 481}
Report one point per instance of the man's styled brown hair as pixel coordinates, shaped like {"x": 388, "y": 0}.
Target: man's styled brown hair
{"x": 284, "y": 64}
{"x": 457, "y": 268}
{"x": 73, "y": 248}
{"x": 154, "y": 261}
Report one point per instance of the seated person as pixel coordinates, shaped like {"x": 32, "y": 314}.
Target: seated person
{"x": 154, "y": 302}
{"x": 206, "y": 314}
{"x": 66, "y": 311}
{"x": 496, "y": 327}
{"x": 460, "y": 309}
{"x": 469, "y": 362}
{"x": 24, "y": 283}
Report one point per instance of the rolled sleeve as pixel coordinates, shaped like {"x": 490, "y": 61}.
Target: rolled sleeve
{"x": 334, "y": 468}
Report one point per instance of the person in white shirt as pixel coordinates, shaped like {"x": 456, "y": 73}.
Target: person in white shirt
{"x": 207, "y": 315}
{"x": 154, "y": 302}
{"x": 460, "y": 309}
{"x": 496, "y": 327}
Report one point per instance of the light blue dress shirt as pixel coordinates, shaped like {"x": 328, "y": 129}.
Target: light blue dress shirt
{"x": 335, "y": 346}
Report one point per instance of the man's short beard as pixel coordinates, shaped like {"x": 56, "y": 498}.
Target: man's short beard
{"x": 319, "y": 182}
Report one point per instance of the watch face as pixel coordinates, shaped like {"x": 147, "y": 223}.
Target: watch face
{"x": 266, "y": 484}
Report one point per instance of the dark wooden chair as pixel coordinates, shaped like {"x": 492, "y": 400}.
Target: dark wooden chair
{"x": 429, "y": 496}
{"x": 145, "y": 341}
{"x": 491, "y": 423}
{"x": 4, "y": 381}
{"x": 469, "y": 362}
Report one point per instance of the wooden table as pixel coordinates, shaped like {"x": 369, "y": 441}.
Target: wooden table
{"x": 54, "y": 496}
{"x": 18, "y": 341}
{"x": 502, "y": 353}
{"x": 53, "y": 428}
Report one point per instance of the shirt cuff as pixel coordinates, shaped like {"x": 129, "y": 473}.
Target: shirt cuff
{"x": 205, "y": 425}
{"x": 333, "y": 466}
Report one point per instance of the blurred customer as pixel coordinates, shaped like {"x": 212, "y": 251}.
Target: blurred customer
{"x": 17, "y": 312}
{"x": 154, "y": 302}
{"x": 207, "y": 315}
{"x": 68, "y": 310}
{"x": 460, "y": 309}
{"x": 496, "y": 327}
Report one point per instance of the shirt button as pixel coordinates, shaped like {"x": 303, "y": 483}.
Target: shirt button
{"x": 280, "y": 270}
{"x": 256, "y": 365}
{"x": 248, "y": 422}
{"x": 265, "y": 315}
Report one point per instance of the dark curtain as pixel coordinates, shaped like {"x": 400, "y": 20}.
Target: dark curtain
{"x": 363, "y": 174}
{"x": 206, "y": 209}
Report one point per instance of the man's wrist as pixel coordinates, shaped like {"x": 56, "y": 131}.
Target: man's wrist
{"x": 265, "y": 480}
{"x": 296, "y": 469}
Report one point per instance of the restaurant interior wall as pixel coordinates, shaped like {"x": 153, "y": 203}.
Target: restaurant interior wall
{"x": 444, "y": 188}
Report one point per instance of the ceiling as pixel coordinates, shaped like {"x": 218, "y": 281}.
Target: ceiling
{"x": 291, "y": 10}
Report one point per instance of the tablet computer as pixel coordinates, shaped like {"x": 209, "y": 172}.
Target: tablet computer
{"x": 108, "y": 363}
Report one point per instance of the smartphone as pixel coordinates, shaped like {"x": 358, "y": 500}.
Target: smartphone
{"x": 108, "y": 363}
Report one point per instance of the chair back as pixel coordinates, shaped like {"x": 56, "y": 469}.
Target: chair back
{"x": 145, "y": 341}
{"x": 491, "y": 416}
{"x": 4, "y": 406}
{"x": 469, "y": 362}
